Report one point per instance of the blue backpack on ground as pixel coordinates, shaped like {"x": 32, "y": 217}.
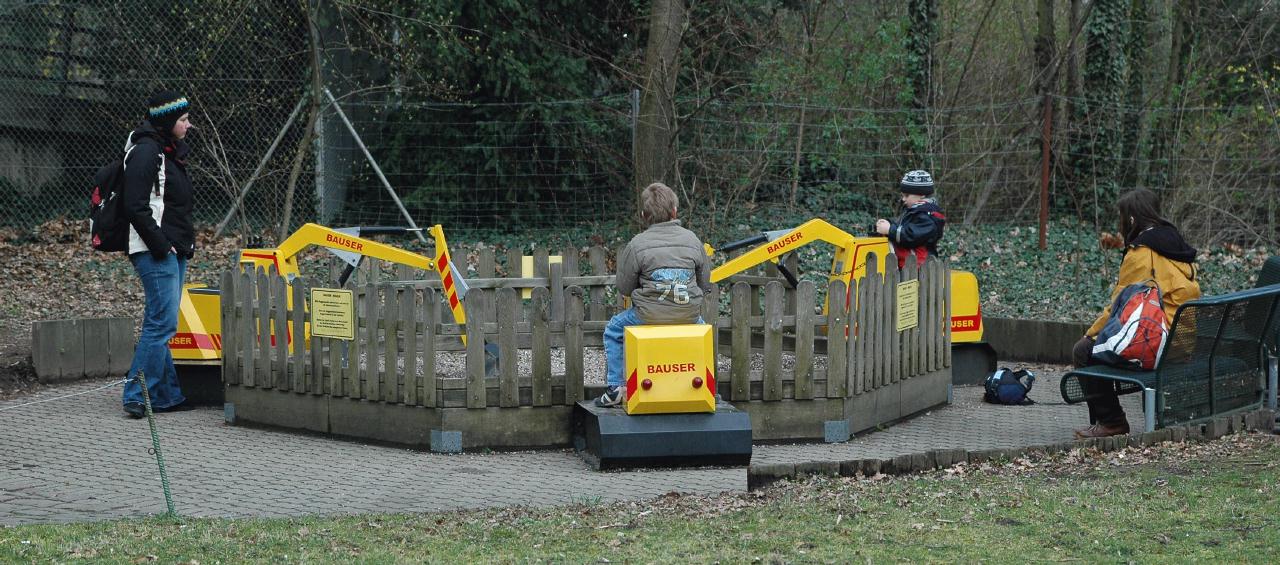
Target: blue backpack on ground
{"x": 1006, "y": 386}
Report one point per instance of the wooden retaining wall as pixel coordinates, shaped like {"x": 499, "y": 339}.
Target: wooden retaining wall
{"x": 776, "y": 361}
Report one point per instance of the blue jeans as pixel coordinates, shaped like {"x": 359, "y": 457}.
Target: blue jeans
{"x": 162, "y": 282}
{"x": 614, "y": 333}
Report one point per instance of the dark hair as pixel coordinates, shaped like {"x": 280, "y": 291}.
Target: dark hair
{"x": 1139, "y": 209}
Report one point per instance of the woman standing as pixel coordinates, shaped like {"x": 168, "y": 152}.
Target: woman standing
{"x": 1154, "y": 250}
{"x": 158, "y": 203}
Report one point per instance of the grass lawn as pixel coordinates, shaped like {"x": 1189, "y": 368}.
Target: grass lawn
{"x": 1174, "y": 502}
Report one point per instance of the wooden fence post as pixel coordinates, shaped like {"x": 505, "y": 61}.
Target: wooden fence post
{"x": 428, "y": 317}
{"x": 803, "y": 373}
{"x": 476, "y": 394}
{"x": 541, "y": 344}
{"x": 871, "y": 354}
{"x": 263, "y": 323}
{"x": 298, "y": 335}
{"x": 598, "y": 258}
{"x": 280, "y": 315}
{"x": 369, "y": 372}
{"x": 230, "y": 329}
{"x": 555, "y": 280}
{"x": 249, "y": 326}
{"x": 774, "y": 301}
{"x": 837, "y": 357}
{"x": 740, "y": 362}
{"x": 390, "y": 317}
{"x": 508, "y": 355}
{"x": 573, "y": 357}
{"x": 412, "y": 344}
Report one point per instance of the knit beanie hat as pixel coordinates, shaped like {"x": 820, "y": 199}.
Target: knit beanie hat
{"x": 163, "y": 110}
{"x": 917, "y": 182}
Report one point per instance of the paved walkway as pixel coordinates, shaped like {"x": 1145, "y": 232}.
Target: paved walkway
{"x": 79, "y": 459}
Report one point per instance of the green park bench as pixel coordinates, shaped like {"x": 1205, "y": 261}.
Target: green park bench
{"x": 1219, "y": 351}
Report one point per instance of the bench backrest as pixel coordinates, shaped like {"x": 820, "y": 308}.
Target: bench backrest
{"x": 1270, "y": 275}
{"x": 1213, "y": 360}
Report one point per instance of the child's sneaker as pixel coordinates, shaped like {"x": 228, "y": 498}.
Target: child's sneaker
{"x": 611, "y": 397}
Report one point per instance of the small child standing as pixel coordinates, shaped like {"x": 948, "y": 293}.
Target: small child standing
{"x": 664, "y": 270}
{"x": 919, "y": 229}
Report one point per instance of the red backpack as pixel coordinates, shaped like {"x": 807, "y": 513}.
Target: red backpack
{"x": 1134, "y": 335}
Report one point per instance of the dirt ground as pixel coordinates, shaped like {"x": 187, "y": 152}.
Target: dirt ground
{"x": 51, "y": 273}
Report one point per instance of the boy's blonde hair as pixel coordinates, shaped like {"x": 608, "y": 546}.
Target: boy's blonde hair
{"x": 657, "y": 203}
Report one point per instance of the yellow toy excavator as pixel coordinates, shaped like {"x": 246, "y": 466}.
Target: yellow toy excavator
{"x": 197, "y": 347}
{"x": 971, "y": 359}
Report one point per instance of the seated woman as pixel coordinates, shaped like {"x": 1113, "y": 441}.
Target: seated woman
{"x": 1153, "y": 250}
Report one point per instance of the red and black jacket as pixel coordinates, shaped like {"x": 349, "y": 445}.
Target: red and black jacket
{"x": 917, "y": 232}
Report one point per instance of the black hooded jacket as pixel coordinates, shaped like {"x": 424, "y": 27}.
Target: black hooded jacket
{"x": 1167, "y": 241}
{"x": 160, "y": 216}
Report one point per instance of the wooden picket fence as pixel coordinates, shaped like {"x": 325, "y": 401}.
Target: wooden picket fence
{"x": 774, "y": 343}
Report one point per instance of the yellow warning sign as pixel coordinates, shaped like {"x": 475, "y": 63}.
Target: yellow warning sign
{"x": 333, "y": 313}
{"x": 908, "y": 304}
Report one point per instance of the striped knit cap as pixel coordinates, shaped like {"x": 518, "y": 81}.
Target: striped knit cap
{"x": 164, "y": 109}
{"x": 917, "y": 182}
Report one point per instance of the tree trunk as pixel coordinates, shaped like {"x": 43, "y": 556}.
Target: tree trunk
{"x": 1134, "y": 132}
{"x": 1095, "y": 155}
{"x": 1073, "y": 63}
{"x": 1164, "y": 139}
{"x": 921, "y": 39}
{"x": 1046, "y": 83}
{"x": 1046, "y": 46}
{"x": 656, "y": 122}
{"x": 308, "y": 134}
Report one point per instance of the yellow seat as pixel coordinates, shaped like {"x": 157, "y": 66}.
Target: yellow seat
{"x": 670, "y": 369}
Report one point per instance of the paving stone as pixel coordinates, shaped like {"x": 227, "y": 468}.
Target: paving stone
{"x": 760, "y": 476}
{"x": 829, "y": 468}
{"x": 872, "y": 467}
{"x": 97, "y": 463}
{"x": 1217, "y": 427}
{"x": 944, "y": 458}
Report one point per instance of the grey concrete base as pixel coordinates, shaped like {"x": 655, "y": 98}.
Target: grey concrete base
{"x": 835, "y": 431}
{"x": 898, "y": 400}
{"x": 526, "y": 426}
{"x": 443, "y": 441}
{"x": 833, "y": 420}
{"x": 379, "y": 421}
{"x": 1032, "y": 340}
{"x": 68, "y": 350}
{"x": 791, "y": 419}
{"x": 281, "y": 409}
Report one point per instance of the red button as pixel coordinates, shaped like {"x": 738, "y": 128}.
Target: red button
{"x": 697, "y": 382}
{"x": 646, "y": 384}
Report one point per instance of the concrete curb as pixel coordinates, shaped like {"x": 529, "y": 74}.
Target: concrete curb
{"x": 762, "y": 475}
{"x": 1032, "y": 340}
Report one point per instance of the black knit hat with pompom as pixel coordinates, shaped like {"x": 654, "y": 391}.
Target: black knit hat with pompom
{"x": 917, "y": 182}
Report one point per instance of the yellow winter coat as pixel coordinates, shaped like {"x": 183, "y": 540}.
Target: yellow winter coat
{"x": 1177, "y": 281}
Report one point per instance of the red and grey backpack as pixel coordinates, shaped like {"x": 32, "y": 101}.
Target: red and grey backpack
{"x": 1135, "y": 334}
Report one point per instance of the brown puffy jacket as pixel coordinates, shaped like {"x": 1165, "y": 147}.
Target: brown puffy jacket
{"x": 665, "y": 271}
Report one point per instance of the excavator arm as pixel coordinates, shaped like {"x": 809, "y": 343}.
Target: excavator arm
{"x": 771, "y": 245}
{"x": 348, "y": 245}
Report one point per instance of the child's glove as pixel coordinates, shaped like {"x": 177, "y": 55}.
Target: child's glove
{"x": 882, "y": 226}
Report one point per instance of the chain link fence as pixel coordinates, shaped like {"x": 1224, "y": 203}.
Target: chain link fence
{"x": 74, "y": 76}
